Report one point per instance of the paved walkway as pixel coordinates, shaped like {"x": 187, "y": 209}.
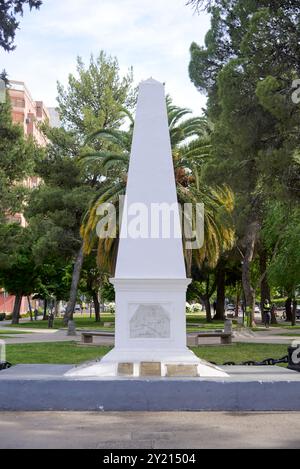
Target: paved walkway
{"x": 38, "y": 336}
{"x": 22, "y": 320}
{"x": 149, "y": 430}
{"x": 271, "y": 336}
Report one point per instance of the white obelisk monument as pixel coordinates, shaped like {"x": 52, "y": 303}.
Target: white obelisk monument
{"x": 150, "y": 279}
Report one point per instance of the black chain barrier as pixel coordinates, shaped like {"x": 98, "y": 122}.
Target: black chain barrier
{"x": 267, "y": 362}
{"x": 5, "y": 365}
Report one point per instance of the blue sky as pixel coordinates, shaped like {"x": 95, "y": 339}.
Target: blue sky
{"x": 152, "y": 36}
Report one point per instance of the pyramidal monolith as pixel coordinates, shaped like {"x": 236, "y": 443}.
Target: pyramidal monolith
{"x": 150, "y": 279}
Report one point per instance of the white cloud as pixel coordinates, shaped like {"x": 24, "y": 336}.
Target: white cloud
{"x": 153, "y": 36}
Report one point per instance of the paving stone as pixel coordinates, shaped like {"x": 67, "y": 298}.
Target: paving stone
{"x": 126, "y": 445}
{"x": 153, "y": 436}
{"x": 166, "y": 430}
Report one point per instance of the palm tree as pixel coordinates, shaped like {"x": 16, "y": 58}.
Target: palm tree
{"x": 191, "y": 147}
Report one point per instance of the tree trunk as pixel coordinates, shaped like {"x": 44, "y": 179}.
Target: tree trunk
{"x": 220, "y": 313}
{"x": 238, "y": 298}
{"x": 30, "y": 308}
{"x": 207, "y": 305}
{"x": 288, "y": 309}
{"x": 74, "y": 286}
{"x": 273, "y": 317}
{"x": 17, "y": 307}
{"x": 96, "y": 306}
{"x": 45, "y": 309}
{"x": 56, "y": 308}
{"x": 246, "y": 273}
{"x": 264, "y": 286}
{"x": 101, "y": 302}
{"x": 294, "y": 312}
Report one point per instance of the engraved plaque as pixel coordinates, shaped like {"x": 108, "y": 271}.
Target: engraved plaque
{"x": 150, "y": 322}
{"x": 182, "y": 371}
{"x": 150, "y": 369}
{"x": 125, "y": 369}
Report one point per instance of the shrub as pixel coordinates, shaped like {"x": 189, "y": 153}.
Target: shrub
{"x": 193, "y": 308}
{"x": 110, "y": 308}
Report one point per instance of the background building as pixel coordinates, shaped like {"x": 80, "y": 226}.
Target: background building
{"x": 30, "y": 115}
{"x": 27, "y": 112}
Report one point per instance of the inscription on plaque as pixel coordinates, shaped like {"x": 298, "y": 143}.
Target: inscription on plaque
{"x": 125, "y": 369}
{"x": 182, "y": 371}
{"x": 150, "y": 322}
{"x": 150, "y": 369}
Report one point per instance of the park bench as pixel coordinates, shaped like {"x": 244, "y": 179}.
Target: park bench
{"x": 193, "y": 339}
{"x": 225, "y": 335}
{"x": 87, "y": 337}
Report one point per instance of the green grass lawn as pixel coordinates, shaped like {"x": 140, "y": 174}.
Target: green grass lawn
{"x": 8, "y": 332}
{"x": 53, "y": 352}
{"x": 240, "y": 353}
{"x": 289, "y": 334}
{"x": 90, "y": 324}
{"x": 81, "y": 323}
{"x": 71, "y": 353}
{"x": 205, "y": 328}
{"x": 278, "y": 326}
{"x": 201, "y": 320}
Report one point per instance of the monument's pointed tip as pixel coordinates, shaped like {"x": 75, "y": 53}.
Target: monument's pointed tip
{"x": 151, "y": 81}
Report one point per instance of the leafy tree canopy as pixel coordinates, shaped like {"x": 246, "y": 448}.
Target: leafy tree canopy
{"x": 282, "y": 230}
{"x": 247, "y": 68}
{"x": 17, "y": 268}
{"x": 56, "y": 207}
{"x": 17, "y": 161}
{"x": 10, "y": 11}
{"x": 94, "y": 97}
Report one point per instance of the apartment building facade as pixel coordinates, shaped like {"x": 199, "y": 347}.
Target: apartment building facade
{"x": 29, "y": 114}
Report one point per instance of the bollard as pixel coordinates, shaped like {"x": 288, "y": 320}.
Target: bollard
{"x": 2, "y": 351}
{"x": 294, "y": 357}
{"x": 50, "y": 321}
{"x": 228, "y": 326}
{"x": 71, "y": 329}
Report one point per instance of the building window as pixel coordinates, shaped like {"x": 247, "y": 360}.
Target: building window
{"x": 18, "y": 102}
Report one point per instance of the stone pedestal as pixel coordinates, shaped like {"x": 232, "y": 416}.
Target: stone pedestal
{"x": 150, "y": 323}
{"x": 150, "y": 333}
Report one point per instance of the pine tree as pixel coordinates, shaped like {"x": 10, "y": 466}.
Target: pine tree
{"x": 10, "y": 10}
{"x": 17, "y": 159}
{"x": 247, "y": 68}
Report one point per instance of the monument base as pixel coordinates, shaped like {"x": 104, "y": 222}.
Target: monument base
{"x": 160, "y": 363}
{"x": 150, "y": 338}
{"x": 46, "y": 387}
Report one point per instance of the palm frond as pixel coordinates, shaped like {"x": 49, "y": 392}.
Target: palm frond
{"x": 191, "y": 146}
{"x": 118, "y": 137}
